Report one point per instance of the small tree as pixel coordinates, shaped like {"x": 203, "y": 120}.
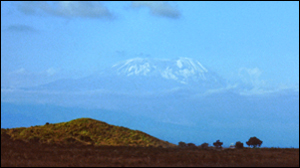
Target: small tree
{"x": 254, "y": 142}
{"x": 191, "y": 145}
{"x": 239, "y": 145}
{"x": 204, "y": 145}
{"x": 182, "y": 144}
{"x": 218, "y": 144}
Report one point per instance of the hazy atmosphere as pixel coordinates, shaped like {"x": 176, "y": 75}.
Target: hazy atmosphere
{"x": 180, "y": 71}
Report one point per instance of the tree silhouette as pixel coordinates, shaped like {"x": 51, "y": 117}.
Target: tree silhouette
{"x": 182, "y": 144}
{"x": 239, "y": 145}
{"x": 204, "y": 145}
{"x": 191, "y": 145}
{"x": 218, "y": 144}
{"x": 254, "y": 142}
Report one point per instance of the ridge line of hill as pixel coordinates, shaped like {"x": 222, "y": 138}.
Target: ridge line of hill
{"x": 85, "y": 131}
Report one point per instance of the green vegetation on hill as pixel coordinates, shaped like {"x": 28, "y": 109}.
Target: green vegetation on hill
{"x": 85, "y": 131}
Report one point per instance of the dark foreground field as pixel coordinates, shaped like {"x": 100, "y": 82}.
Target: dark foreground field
{"x": 19, "y": 153}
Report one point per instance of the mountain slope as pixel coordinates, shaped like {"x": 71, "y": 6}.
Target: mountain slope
{"x": 143, "y": 75}
{"x": 85, "y": 131}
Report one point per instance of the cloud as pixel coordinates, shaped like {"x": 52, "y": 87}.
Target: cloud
{"x": 25, "y": 78}
{"x": 251, "y": 76}
{"x": 252, "y": 84}
{"x": 65, "y": 9}
{"x": 158, "y": 8}
{"x": 257, "y": 91}
{"x": 21, "y": 28}
{"x": 20, "y": 71}
{"x": 51, "y": 71}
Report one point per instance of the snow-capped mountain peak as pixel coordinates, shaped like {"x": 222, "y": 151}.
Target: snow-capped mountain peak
{"x": 136, "y": 66}
{"x": 183, "y": 61}
{"x": 182, "y": 70}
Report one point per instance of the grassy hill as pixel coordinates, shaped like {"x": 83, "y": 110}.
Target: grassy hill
{"x": 85, "y": 131}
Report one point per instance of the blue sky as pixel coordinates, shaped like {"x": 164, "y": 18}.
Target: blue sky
{"x": 44, "y": 41}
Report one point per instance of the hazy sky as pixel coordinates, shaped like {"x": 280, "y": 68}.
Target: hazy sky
{"x": 42, "y": 41}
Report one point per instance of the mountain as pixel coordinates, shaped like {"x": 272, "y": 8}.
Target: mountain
{"x": 182, "y": 70}
{"x": 144, "y": 75}
{"x": 85, "y": 131}
{"x": 175, "y": 100}
{"x": 155, "y": 86}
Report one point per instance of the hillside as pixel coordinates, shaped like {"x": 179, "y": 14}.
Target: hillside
{"x": 85, "y": 131}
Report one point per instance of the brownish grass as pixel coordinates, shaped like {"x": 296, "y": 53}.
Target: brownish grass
{"x": 85, "y": 131}
{"x": 35, "y": 154}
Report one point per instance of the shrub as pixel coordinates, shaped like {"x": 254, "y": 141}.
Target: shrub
{"x": 254, "y": 142}
{"x": 34, "y": 139}
{"x": 204, "y": 146}
{"x": 218, "y": 144}
{"x": 70, "y": 140}
{"x": 239, "y": 145}
{"x": 191, "y": 145}
{"x": 182, "y": 144}
{"x": 85, "y": 138}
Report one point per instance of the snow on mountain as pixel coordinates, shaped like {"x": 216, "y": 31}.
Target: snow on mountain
{"x": 183, "y": 70}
